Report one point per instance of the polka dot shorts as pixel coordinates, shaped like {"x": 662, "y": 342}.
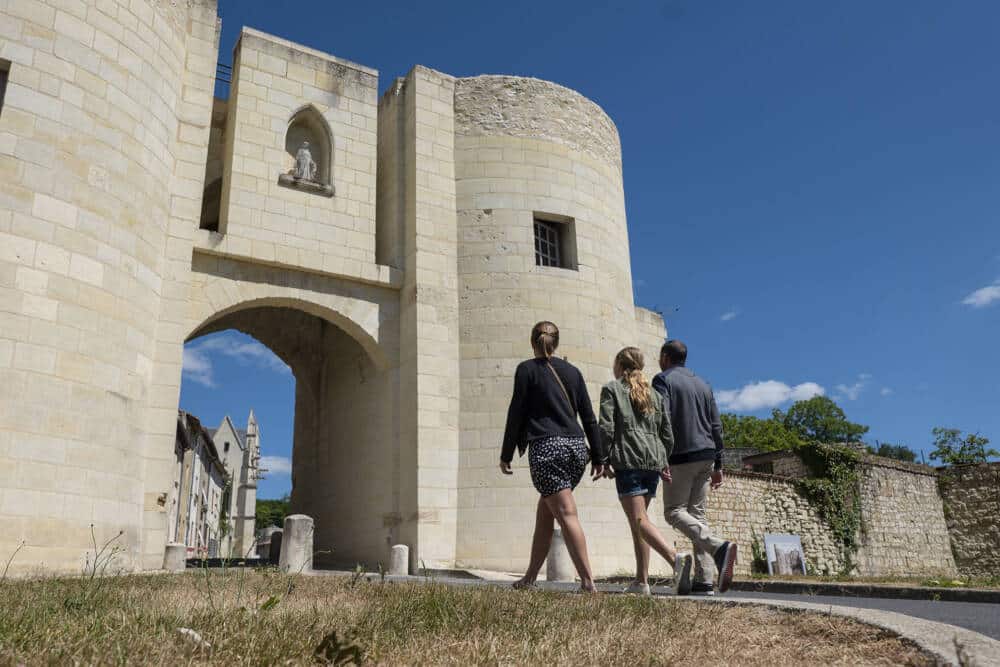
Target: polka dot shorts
{"x": 557, "y": 463}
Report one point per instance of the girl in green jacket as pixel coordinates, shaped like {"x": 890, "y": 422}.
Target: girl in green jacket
{"x": 638, "y": 438}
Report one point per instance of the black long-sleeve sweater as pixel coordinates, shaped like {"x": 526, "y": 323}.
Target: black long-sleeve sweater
{"x": 538, "y": 408}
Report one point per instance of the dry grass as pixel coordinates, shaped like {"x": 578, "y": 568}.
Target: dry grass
{"x": 263, "y": 618}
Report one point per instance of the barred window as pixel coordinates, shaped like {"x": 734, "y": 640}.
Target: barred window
{"x": 547, "y": 244}
{"x": 555, "y": 241}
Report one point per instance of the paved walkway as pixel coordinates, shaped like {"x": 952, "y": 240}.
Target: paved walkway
{"x": 976, "y": 616}
{"x": 980, "y": 617}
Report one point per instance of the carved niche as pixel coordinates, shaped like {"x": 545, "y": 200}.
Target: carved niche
{"x": 309, "y": 150}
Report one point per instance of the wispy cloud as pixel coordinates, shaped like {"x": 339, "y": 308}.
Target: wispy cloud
{"x": 886, "y": 391}
{"x": 729, "y": 315}
{"x": 767, "y": 394}
{"x": 278, "y": 466}
{"x": 983, "y": 296}
{"x": 198, "y": 357}
{"x": 198, "y": 367}
{"x": 852, "y": 391}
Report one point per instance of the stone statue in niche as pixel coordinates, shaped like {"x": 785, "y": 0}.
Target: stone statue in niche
{"x": 305, "y": 166}
{"x": 304, "y": 174}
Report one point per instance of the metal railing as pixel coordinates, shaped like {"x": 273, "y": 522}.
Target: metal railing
{"x": 223, "y": 79}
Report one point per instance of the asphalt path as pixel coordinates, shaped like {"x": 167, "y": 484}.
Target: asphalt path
{"x": 979, "y": 617}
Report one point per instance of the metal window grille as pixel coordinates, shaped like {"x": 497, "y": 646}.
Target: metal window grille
{"x": 547, "y": 251}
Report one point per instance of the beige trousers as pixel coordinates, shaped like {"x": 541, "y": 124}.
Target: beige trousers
{"x": 684, "y": 501}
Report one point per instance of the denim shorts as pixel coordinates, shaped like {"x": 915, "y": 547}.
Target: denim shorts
{"x": 637, "y": 482}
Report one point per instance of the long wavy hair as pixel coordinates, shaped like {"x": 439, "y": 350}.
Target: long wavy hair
{"x": 631, "y": 361}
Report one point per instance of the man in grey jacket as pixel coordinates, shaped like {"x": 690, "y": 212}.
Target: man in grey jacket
{"x": 695, "y": 465}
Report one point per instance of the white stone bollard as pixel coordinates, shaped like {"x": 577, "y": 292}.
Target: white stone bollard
{"x": 558, "y": 564}
{"x": 399, "y": 559}
{"x": 175, "y": 557}
{"x": 297, "y": 544}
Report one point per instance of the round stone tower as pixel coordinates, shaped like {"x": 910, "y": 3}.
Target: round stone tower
{"x": 105, "y": 118}
{"x": 542, "y": 235}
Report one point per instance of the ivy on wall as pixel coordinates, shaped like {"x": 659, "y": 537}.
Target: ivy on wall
{"x": 833, "y": 491}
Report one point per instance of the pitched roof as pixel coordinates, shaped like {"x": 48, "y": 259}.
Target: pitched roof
{"x": 241, "y": 433}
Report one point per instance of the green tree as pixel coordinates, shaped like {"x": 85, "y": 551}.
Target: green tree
{"x": 891, "y": 451}
{"x": 767, "y": 435}
{"x": 952, "y": 449}
{"x": 819, "y": 419}
{"x": 271, "y": 512}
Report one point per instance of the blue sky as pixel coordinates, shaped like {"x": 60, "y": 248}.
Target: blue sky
{"x": 812, "y": 188}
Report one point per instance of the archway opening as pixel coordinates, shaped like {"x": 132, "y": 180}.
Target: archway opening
{"x": 323, "y": 414}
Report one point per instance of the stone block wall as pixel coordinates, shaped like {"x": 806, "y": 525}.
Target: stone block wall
{"x": 525, "y": 147}
{"x": 751, "y": 504}
{"x": 273, "y": 80}
{"x": 903, "y": 529}
{"x": 971, "y": 496}
{"x": 97, "y": 119}
{"x": 421, "y": 107}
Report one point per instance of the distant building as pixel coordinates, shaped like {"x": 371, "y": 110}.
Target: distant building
{"x": 199, "y": 484}
{"x": 239, "y": 450}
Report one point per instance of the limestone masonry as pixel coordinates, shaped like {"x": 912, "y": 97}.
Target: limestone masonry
{"x": 394, "y": 251}
{"x": 972, "y": 507}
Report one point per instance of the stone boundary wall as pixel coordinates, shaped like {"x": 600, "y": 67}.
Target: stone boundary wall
{"x": 971, "y": 496}
{"x": 903, "y": 529}
{"x": 750, "y": 504}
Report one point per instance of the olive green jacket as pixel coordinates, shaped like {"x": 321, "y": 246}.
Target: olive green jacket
{"x": 634, "y": 441}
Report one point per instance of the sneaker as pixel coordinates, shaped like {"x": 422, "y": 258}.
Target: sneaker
{"x": 701, "y": 588}
{"x": 725, "y": 559}
{"x": 637, "y": 588}
{"x": 682, "y": 574}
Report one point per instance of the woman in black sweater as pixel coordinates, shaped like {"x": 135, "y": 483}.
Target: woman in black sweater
{"x": 549, "y": 393}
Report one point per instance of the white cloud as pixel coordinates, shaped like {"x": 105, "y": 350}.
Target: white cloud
{"x": 852, "y": 391}
{"x": 730, "y": 315}
{"x": 198, "y": 367}
{"x": 245, "y": 352}
{"x": 198, "y": 357}
{"x": 276, "y": 465}
{"x": 768, "y": 394}
{"x": 983, "y": 296}
{"x": 886, "y": 391}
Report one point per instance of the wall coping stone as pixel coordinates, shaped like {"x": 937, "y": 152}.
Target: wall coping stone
{"x": 269, "y": 39}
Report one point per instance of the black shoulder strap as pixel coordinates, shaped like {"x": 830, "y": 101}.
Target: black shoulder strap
{"x": 572, "y": 407}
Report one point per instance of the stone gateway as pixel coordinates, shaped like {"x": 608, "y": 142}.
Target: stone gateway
{"x": 394, "y": 252}
{"x": 398, "y": 277}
